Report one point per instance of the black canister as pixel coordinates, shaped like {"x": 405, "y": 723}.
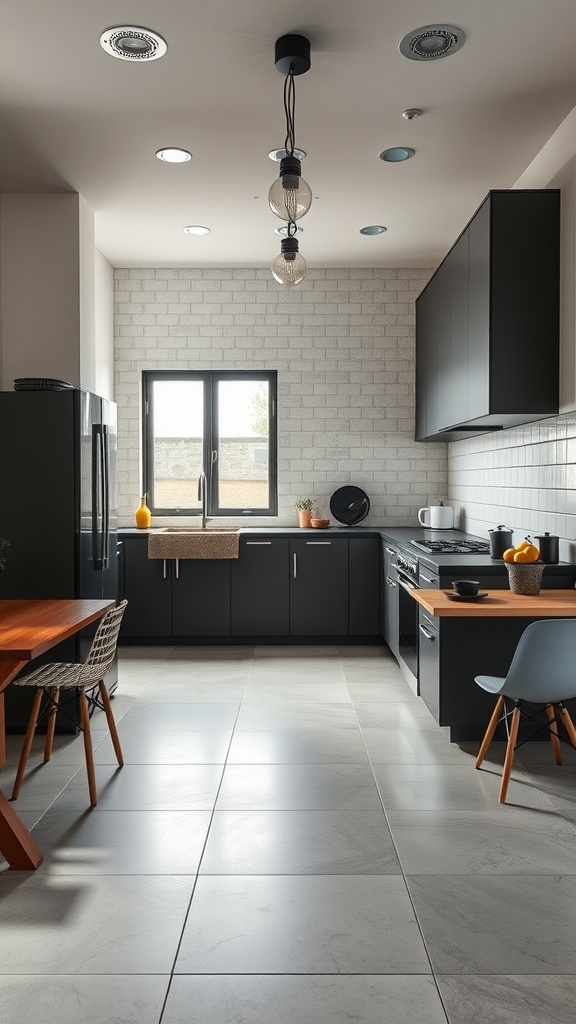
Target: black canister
{"x": 500, "y": 541}
{"x": 548, "y": 545}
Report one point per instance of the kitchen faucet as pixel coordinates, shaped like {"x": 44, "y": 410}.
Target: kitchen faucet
{"x": 202, "y": 498}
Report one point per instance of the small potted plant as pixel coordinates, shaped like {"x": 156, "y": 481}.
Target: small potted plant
{"x": 305, "y": 507}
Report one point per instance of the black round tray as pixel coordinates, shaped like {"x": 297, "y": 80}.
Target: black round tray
{"x": 350, "y": 505}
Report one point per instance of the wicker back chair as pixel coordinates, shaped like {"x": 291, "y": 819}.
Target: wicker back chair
{"x": 83, "y": 679}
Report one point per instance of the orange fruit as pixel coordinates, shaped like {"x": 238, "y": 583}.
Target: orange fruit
{"x": 532, "y": 551}
{"x": 508, "y": 555}
{"x": 524, "y": 544}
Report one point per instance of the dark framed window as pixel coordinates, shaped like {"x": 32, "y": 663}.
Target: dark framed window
{"x": 222, "y": 424}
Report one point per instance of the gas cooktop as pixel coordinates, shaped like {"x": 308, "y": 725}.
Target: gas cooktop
{"x": 453, "y": 547}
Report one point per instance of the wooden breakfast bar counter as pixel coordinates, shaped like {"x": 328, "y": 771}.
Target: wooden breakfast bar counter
{"x": 555, "y": 604}
{"x": 460, "y": 639}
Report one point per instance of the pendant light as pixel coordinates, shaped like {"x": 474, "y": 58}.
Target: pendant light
{"x": 289, "y": 267}
{"x": 290, "y": 196}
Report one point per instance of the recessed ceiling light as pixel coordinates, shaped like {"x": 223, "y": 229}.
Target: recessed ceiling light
{"x": 173, "y": 155}
{"x": 412, "y": 113}
{"x": 279, "y": 154}
{"x": 432, "y": 42}
{"x": 396, "y": 154}
{"x": 196, "y": 229}
{"x": 373, "y": 229}
{"x": 128, "y": 42}
{"x": 283, "y": 230}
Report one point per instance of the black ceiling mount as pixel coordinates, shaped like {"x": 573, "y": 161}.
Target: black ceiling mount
{"x": 292, "y": 52}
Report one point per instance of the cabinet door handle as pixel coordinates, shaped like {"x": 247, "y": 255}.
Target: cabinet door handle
{"x": 390, "y": 582}
{"x": 427, "y": 578}
{"x": 295, "y": 566}
{"x": 177, "y": 560}
{"x": 318, "y": 542}
{"x": 254, "y": 542}
{"x": 429, "y": 636}
{"x": 165, "y": 569}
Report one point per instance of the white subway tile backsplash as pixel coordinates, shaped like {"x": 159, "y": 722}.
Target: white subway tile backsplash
{"x": 343, "y": 345}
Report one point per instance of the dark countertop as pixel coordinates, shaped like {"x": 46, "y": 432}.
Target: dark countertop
{"x": 461, "y": 563}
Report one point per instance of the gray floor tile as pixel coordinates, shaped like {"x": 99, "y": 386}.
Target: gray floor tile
{"x": 252, "y": 718}
{"x": 121, "y": 843}
{"x": 173, "y": 718}
{"x": 516, "y": 999}
{"x": 403, "y": 714}
{"x": 159, "y": 747}
{"x": 286, "y": 694}
{"x": 300, "y": 652}
{"x": 388, "y": 691}
{"x": 174, "y": 691}
{"x": 298, "y": 787}
{"x": 428, "y": 787}
{"x": 299, "y": 842}
{"x": 359, "y": 652}
{"x": 319, "y": 999}
{"x": 209, "y": 654}
{"x": 91, "y": 925}
{"x": 146, "y": 787}
{"x": 425, "y": 744}
{"x": 503, "y": 841}
{"x": 558, "y": 782}
{"x": 83, "y": 999}
{"x": 298, "y": 746}
{"x": 497, "y": 924}
{"x": 43, "y": 783}
{"x": 302, "y": 925}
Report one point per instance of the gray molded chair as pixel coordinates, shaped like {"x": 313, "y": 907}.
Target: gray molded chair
{"x": 82, "y": 679}
{"x": 543, "y": 672}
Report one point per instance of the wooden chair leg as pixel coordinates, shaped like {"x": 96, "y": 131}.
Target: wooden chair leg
{"x": 509, "y": 754}
{"x": 496, "y": 715}
{"x": 568, "y": 725}
{"x": 88, "y": 751}
{"x": 54, "y": 695}
{"x": 554, "y": 738}
{"x": 27, "y": 745}
{"x": 111, "y": 723}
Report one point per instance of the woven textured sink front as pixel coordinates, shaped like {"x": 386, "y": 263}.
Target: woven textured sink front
{"x": 177, "y": 542}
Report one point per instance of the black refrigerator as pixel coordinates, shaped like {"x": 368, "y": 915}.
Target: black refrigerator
{"x": 58, "y": 511}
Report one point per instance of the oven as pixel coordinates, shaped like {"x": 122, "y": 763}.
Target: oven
{"x": 407, "y": 569}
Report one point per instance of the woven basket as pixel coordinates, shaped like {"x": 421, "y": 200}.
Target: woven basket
{"x": 525, "y": 577}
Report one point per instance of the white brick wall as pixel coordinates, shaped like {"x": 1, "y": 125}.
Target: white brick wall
{"x": 343, "y": 345}
{"x": 524, "y": 478}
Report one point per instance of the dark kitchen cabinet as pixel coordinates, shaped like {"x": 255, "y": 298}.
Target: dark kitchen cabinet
{"x": 319, "y": 587}
{"x": 200, "y": 597}
{"x": 364, "y": 586}
{"x": 489, "y": 316}
{"x": 148, "y": 590}
{"x": 389, "y": 598}
{"x": 260, "y": 604}
{"x": 174, "y": 597}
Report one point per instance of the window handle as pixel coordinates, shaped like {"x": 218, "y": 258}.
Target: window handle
{"x": 214, "y": 457}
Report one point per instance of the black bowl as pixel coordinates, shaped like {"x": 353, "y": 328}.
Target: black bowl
{"x": 465, "y": 587}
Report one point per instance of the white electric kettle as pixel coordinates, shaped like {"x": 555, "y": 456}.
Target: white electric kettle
{"x": 437, "y": 517}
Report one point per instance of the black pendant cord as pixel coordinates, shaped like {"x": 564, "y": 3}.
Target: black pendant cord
{"x": 290, "y": 111}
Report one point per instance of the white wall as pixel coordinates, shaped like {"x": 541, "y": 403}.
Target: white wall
{"x": 343, "y": 345}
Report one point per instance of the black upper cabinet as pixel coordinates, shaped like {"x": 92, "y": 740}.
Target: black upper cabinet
{"x": 487, "y": 323}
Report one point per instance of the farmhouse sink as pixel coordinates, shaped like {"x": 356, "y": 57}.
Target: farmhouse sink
{"x": 194, "y": 542}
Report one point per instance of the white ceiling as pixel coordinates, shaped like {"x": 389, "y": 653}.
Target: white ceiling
{"x": 74, "y": 118}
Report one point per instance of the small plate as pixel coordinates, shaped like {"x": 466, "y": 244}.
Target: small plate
{"x": 466, "y": 597}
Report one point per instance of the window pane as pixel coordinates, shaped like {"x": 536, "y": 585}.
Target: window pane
{"x": 177, "y": 441}
{"x": 243, "y": 444}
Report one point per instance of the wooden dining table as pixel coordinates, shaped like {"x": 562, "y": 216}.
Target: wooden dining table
{"x": 28, "y": 629}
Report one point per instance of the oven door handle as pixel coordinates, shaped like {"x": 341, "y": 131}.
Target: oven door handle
{"x": 409, "y": 587}
{"x": 429, "y": 636}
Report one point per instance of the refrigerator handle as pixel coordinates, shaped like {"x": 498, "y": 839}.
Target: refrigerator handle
{"x": 97, "y": 508}
{"x": 105, "y": 496}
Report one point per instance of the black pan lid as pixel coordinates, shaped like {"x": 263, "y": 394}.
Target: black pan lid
{"x": 349, "y": 505}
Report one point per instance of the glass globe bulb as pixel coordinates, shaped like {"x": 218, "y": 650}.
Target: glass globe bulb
{"x": 290, "y": 197}
{"x": 289, "y": 268}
